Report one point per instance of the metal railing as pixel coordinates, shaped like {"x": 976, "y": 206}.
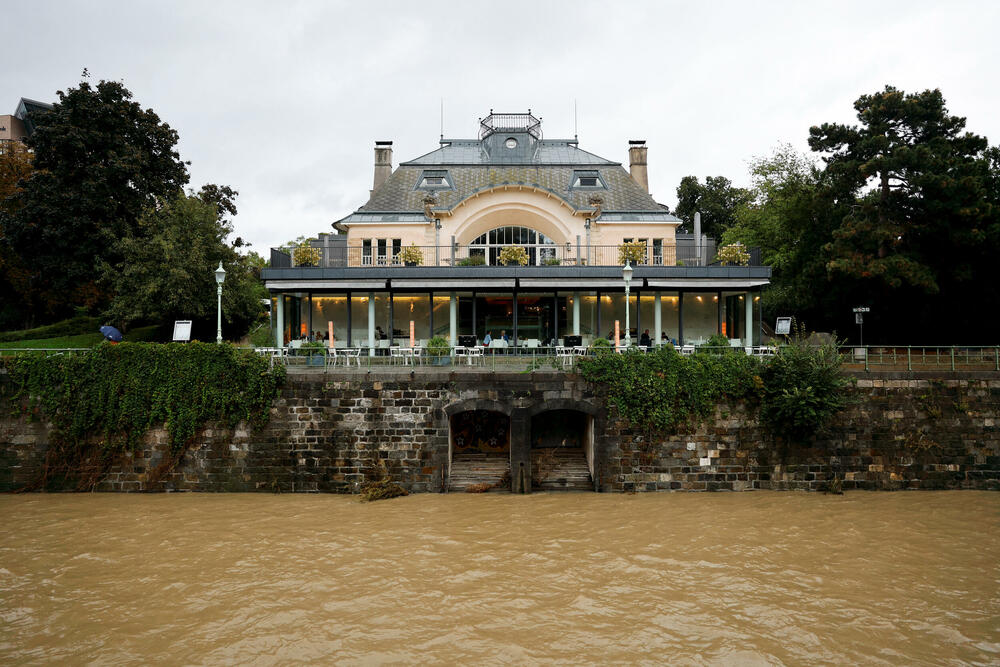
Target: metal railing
{"x": 11, "y": 351}
{"x": 448, "y": 255}
{"x": 921, "y": 358}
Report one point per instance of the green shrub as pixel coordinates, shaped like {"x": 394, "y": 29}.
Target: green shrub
{"x": 438, "y": 347}
{"x": 803, "y": 387}
{"x": 472, "y": 260}
{"x": 718, "y": 344}
{"x": 81, "y": 324}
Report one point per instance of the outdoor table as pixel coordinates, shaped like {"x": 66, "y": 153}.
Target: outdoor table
{"x": 351, "y": 352}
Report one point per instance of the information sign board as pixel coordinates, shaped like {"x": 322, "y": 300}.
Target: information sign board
{"x": 783, "y": 326}
{"x": 182, "y": 331}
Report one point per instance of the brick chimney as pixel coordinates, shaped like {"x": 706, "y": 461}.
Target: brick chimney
{"x": 383, "y": 163}
{"x": 637, "y": 162}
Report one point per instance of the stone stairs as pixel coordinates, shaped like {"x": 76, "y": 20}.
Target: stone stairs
{"x": 469, "y": 469}
{"x": 560, "y": 469}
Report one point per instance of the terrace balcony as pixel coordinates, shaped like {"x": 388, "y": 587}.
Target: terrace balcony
{"x": 323, "y": 255}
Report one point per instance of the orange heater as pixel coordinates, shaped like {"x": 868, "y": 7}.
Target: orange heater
{"x": 304, "y": 331}
{"x": 723, "y": 328}
{"x": 329, "y": 339}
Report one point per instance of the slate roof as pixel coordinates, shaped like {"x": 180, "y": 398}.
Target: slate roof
{"x": 472, "y": 169}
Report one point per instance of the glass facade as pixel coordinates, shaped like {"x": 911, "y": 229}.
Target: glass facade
{"x": 700, "y": 316}
{"x": 545, "y": 317}
{"x": 540, "y": 248}
{"x": 407, "y": 309}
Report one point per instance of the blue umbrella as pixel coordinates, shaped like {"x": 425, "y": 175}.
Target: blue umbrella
{"x": 112, "y": 334}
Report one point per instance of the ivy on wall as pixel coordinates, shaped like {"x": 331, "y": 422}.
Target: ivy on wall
{"x": 798, "y": 390}
{"x": 662, "y": 389}
{"x": 111, "y": 396}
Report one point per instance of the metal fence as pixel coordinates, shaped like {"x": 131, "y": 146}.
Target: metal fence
{"x": 568, "y": 254}
{"x": 921, "y": 358}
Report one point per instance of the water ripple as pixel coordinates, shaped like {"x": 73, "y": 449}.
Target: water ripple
{"x": 693, "y": 579}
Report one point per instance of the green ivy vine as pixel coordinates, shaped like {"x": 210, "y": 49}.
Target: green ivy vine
{"x": 659, "y": 390}
{"x": 111, "y": 396}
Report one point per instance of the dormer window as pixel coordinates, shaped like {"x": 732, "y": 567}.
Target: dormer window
{"x": 434, "y": 179}
{"x": 587, "y": 179}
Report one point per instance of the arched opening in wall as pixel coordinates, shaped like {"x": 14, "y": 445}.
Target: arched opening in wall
{"x": 562, "y": 450}
{"x": 480, "y": 450}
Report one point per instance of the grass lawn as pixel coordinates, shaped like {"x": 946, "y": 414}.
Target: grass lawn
{"x": 140, "y": 334}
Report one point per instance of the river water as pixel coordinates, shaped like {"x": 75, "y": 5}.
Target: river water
{"x": 753, "y": 578}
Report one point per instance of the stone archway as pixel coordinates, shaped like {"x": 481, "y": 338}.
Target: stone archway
{"x": 562, "y": 446}
{"x": 479, "y": 444}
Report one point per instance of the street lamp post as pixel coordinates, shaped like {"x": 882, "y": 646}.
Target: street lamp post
{"x": 627, "y": 275}
{"x": 220, "y": 277}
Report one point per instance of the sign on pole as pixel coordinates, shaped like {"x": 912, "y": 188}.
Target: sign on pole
{"x": 859, "y": 319}
{"x": 783, "y": 326}
{"x": 182, "y": 331}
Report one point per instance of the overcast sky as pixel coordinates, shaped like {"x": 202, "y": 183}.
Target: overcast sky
{"x": 284, "y": 100}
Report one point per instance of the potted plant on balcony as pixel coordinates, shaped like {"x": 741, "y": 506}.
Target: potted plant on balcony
{"x": 305, "y": 255}
{"x": 551, "y": 261}
{"x": 439, "y": 351}
{"x": 411, "y": 256}
{"x": 513, "y": 254}
{"x": 315, "y": 353}
{"x": 632, "y": 252}
{"x": 472, "y": 260}
{"x": 734, "y": 254}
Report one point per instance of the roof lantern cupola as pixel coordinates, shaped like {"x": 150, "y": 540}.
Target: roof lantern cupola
{"x": 511, "y": 137}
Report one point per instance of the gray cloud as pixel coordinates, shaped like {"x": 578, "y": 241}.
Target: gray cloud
{"x": 283, "y": 101}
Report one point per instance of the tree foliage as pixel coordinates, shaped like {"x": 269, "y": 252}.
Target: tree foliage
{"x": 717, "y": 200}
{"x": 167, "y": 269}
{"x": 920, "y": 182}
{"x": 100, "y": 161}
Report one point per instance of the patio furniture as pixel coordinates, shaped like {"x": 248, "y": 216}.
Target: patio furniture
{"x": 475, "y": 353}
{"x": 352, "y": 353}
{"x": 566, "y": 354}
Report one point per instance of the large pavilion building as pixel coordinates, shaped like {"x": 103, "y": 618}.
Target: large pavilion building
{"x": 425, "y": 253}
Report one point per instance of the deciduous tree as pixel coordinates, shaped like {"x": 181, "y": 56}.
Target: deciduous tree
{"x": 101, "y": 160}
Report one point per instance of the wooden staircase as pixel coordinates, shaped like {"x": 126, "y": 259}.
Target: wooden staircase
{"x": 560, "y": 469}
{"x": 469, "y": 469}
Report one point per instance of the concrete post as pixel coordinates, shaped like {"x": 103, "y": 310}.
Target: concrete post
{"x": 279, "y": 333}
{"x": 748, "y": 327}
{"x": 576, "y": 311}
{"x": 371, "y": 324}
{"x": 657, "y": 318}
{"x": 697, "y": 238}
{"x": 453, "y": 319}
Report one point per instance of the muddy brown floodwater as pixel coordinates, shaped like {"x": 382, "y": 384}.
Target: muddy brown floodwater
{"x": 755, "y": 578}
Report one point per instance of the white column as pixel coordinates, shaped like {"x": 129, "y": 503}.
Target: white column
{"x": 453, "y": 319}
{"x": 576, "y": 311}
{"x": 371, "y": 324}
{"x": 279, "y": 334}
{"x": 657, "y": 319}
{"x": 748, "y": 326}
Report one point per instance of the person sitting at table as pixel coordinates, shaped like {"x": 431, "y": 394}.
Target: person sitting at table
{"x": 487, "y": 339}
{"x": 503, "y": 336}
{"x": 644, "y": 339}
{"x": 379, "y": 334}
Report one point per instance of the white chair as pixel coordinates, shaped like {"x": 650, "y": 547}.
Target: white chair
{"x": 396, "y": 353}
{"x": 476, "y": 354}
{"x": 687, "y": 350}
{"x": 566, "y": 354}
{"x": 331, "y": 357}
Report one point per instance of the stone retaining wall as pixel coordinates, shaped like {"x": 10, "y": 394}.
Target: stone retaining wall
{"x": 331, "y": 432}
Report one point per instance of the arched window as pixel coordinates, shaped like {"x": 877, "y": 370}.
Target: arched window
{"x": 540, "y": 247}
